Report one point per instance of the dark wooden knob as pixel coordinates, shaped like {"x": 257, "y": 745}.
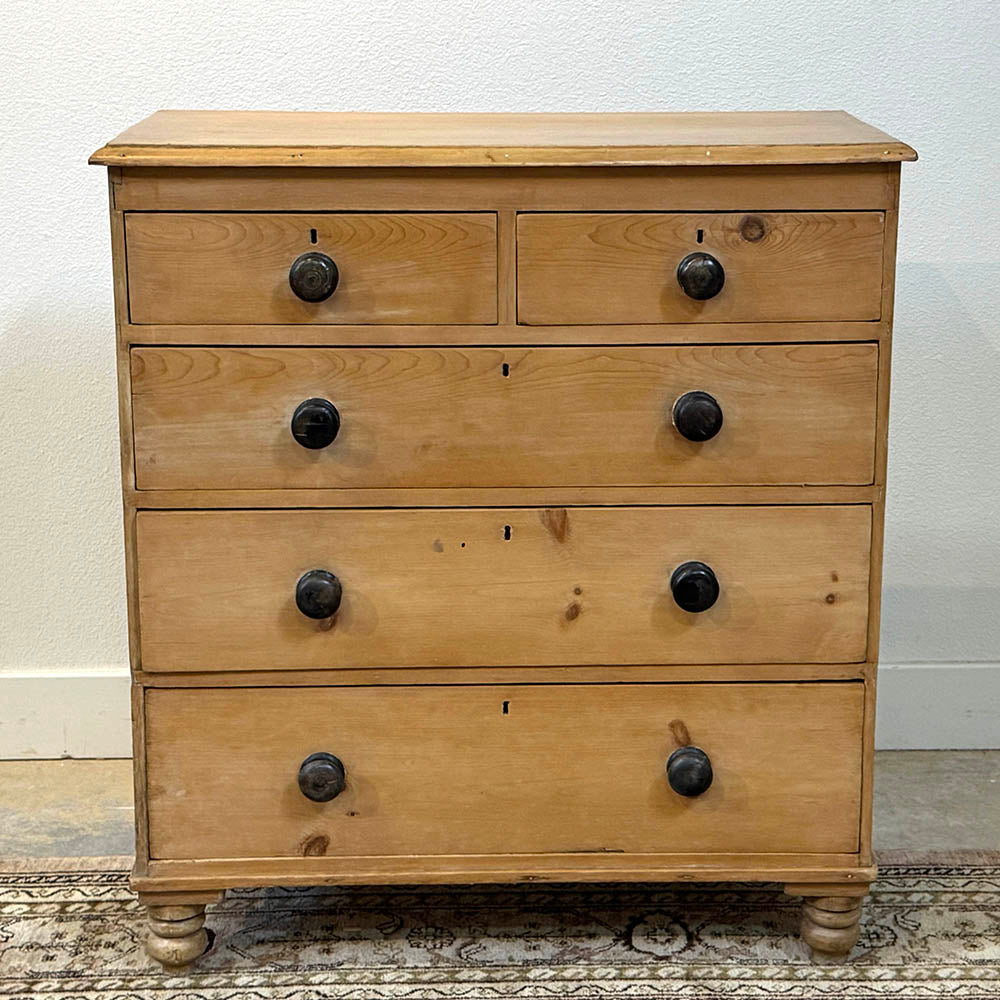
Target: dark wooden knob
{"x": 700, "y": 276}
{"x": 697, "y": 416}
{"x": 322, "y": 777}
{"x": 694, "y": 586}
{"x": 313, "y": 276}
{"x": 689, "y": 771}
{"x": 315, "y": 423}
{"x": 318, "y": 594}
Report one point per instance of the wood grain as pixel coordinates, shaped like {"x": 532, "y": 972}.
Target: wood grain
{"x": 841, "y": 870}
{"x": 503, "y": 770}
{"x": 516, "y": 496}
{"x": 571, "y": 586}
{"x": 830, "y": 925}
{"x": 816, "y": 187}
{"x": 127, "y": 466}
{"x": 316, "y": 138}
{"x": 612, "y": 268}
{"x": 219, "y": 418}
{"x": 878, "y": 517}
{"x": 233, "y": 268}
{"x": 593, "y": 674}
{"x": 509, "y": 335}
{"x": 210, "y": 592}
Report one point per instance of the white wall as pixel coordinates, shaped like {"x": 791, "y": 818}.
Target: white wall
{"x": 76, "y": 74}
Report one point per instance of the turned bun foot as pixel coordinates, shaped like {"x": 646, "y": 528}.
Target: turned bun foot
{"x": 177, "y": 934}
{"x": 830, "y": 926}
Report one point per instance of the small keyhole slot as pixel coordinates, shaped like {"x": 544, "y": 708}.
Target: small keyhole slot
{"x": 314, "y": 236}
{"x": 701, "y": 235}
{"x": 506, "y": 532}
{"x": 505, "y": 709}
{"x": 505, "y": 369}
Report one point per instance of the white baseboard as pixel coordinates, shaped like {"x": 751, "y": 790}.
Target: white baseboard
{"x": 938, "y": 706}
{"x": 65, "y": 714}
{"x": 921, "y": 706}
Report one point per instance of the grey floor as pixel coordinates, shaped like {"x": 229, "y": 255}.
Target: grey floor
{"x": 924, "y": 801}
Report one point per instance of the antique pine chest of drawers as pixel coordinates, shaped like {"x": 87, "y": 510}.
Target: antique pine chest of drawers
{"x": 503, "y": 499}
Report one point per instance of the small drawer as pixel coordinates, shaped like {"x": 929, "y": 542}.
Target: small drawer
{"x": 255, "y": 268}
{"x": 575, "y": 268}
{"x": 287, "y": 589}
{"x": 483, "y": 770}
{"x": 289, "y": 418}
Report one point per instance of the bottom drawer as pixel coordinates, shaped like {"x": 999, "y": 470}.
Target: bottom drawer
{"x": 510, "y": 769}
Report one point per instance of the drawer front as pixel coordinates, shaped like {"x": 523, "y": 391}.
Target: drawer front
{"x": 218, "y": 590}
{"x": 503, "y": 770}
{"x": 235, "y": 268}
{"x": 221, "y": 418}
{"x": 777, "y": 266}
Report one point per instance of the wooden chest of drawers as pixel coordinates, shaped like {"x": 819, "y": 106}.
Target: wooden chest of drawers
{"x": 503, "y": 499}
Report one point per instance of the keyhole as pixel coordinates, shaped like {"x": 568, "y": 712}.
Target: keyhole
{"x": 506, "y": 532}
{"x": 505, "y": 369}
{"x": 701, "y": 235}
{"x": 505, "y": 709}
{"x": 313, "y": 236}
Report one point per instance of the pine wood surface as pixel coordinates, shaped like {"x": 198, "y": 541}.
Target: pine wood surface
{"x": 611, "y": 268}
{"x": 280, "y": 182}
{"x": 504, "y": 770}
{"x": 263, "y": 138}
{"x": 878, "y": 519}
{"x": 445, "y": 587}
{"x": 830, "y": 871}
{"x": 498, "y": 334}
{"x": 463, "y": 418}
{"x": 701, "y": 188}
{"x": 504, "y": 496}
{"x": 233, "y": 268}
{"x": 600, "y": 673}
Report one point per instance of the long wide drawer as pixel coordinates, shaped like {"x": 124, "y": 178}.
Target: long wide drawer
{"x": 435, "y": 770}
{"x": 237, "y": 268}
{"x": 774, "y": 266}
{"x": 232, "y": 418}
{"x": 234, "y": 590}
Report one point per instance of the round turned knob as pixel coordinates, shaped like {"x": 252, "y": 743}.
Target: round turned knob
{"x": 315, "y": 423}
{"x": 322, "y": 777}
{"x": 689, "y": 771}
{"x": 697, "y": 416}
{"x": 694, "y": 586}
{"x": 318, "y": 594}
{"x": 313, "y": 276}
{"x": 700, "y": 276}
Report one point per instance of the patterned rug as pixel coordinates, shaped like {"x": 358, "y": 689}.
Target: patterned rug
{"x": 73, "y": 930}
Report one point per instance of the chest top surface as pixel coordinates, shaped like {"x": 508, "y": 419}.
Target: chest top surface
{"x": 349, "y": 139}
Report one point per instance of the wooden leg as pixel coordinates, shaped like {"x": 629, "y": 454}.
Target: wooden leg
{"x": 830, "y": 925}
{"x": 177, "y": 935}
{"x": 830, "y": 916}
